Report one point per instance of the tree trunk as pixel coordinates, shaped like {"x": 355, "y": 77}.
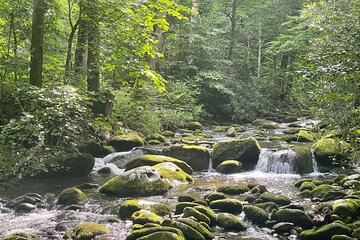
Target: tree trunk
{"x": 93, "y": 68}
{"x": 37, "y": 36}
{"x": 195, "y": 17}
{"x": 233, "y": 29}
{"x": 82, "y": 39}
{"x": 68, "y": 64}
{"x": 259, "y": 53}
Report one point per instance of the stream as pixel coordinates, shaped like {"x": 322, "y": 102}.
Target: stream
{"x": 274, "y": 170}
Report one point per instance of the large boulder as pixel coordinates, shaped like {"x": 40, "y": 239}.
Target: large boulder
{"x": 141, "y": 181}
{"x": 197, "y": 157}
{"x": 126, "y": 141}
{"x": 246, "y": 150}
{"x": 227, "y": 205}
{"x": 68, "y": 165}
{"x": 325, "y": 232}
{"x": 325, "y": 191}
{"x": 193, "y": 126}
{"x": 327, "y": 149}
{"x": 71, "y": 196}
{"x": 87, "y": 231}
{"x": 295, "y": 216}
{"x": 255, "y": 214}
{"x": 146, "y": 232}
{"x": 303, "y": 159}
{"x": 229, "y": 221}
{"x": 265, "y": 123}
{"x": 346, "y": 208}
{"x": 305, "y": 136}
{"x": 151, "y": 160}
{"x": 173, "y": 174}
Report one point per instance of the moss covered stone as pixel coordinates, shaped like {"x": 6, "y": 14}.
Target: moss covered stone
{"x": 280, "y": 200}
{"x": 214, "y": 196}
{"x": 153, "y": 142}
{"x": 188, "y": 231}
{"x": 227, "y": 205}
{"x": 346, "y": 208}
{"x": 134, "y": 235}
{"x": 255, "y": 214}
{"x": 307, "y": 186}
{"x": 193, "y": 126}
{"x": 71, "y": 196}
{"x": 295, "y": 216}
{"x": 231, "y": 132}
{"x": 168, "y": 133}
{"x": 128, "y": 207}
{"x": 173, "y": 174}
{"x": 267, "y": 206}
{"x": 265, "y": 123}
{"x": 325, "y": 232}
{"x": 208, "y": 212}
{"x": 182, "y": 205}
{"x": 342, "y": 237}
{"x": 328, "y": 148}
{"x": 322, "y": 190}
{"x": 204, "y": 231}
{"x": 234, "y": 190}
{"x": 145, "y": 216}
{"x": 87, "y": 231}
{"x": 303, "y": 159}
{"x": 229, "y": 166}
{"x": 151, "y": 160}
{"x": 305, "y": 136}
{"x": 245, "y": 150}
{"x": 192, "y": 212}
{"x": 197, "y": 157}
{"x": 187, "y": 198}
{"x": 163, "y": 235}
{"x": 126, "y": 142}
{"x": 229, "y": 221}
{"x": 17, "y": 236}
{"x": 161, "y": 209}
{"x": 142, "y": 181}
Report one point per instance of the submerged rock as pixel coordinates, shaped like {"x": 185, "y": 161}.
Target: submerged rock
{"x": 141, "y": 181}
{"x": 197, "y": 157}
{"x": 151, "y": 160}
{"x": 246, "y": 150}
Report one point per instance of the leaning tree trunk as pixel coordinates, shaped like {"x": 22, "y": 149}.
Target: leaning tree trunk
{"x": 37, "y": 36}
{"x": 233, "y": 29}
{"x": 93, "y": 68}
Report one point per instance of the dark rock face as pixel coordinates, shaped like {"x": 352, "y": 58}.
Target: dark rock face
{"x": 196, "y": 156}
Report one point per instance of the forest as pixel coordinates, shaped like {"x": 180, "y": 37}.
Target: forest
{"x": 217, "y": 86}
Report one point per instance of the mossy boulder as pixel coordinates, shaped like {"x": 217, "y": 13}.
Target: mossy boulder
{"x": 187, "y": 198}
{"x": 198, "y": 226}
{"x": 128, "y": 207}
{"x": 229, "y": 166}
{"x": 231, "y": 132}
{"x": 182, "y": 205}
{"x": 234, "y": 190}
{"x": 326, "y": 149}
{"x": 345, "y": 208}
{"x": 197, "y": 157}
{"x": 303, "y": 159}
{"x": 126, "y": 141}
{"x": 87, "y": 231}
{"x": 94, "y": 148}
{"x": 246, "y": 150}
{"x": 280, "y": 200}
{"x": 173, "y": 174}
{"x": 227, "y": 205}
{"x": 193, "y": 126}
{"x": 71, "y": 164}
{"x": 151, "y": 160}
{"x": 156, "y": 137}
{"x": 342, "y": 237}
{"x": 307, "y": 186}
{"x": 229, "y": 221}
{"x": 188, "y": 231}
{"x": 255, "y": 214}
{"x": 267, "y": 124}
{"x": 209, "y": 213}
{"x": 163, "y": 235}
{"x": 145, "y": 216}
{"x": 295, "y": 216}
{"x": 214, "y": 196}
{"x": 325, "y": 232}
{"x": 305, "y": 136}
{"x": 168, "y": 133}
{"x": 71, "y": 196}
{"x": 141, "y": 181}
{"x": 17, "y": 236}
{"x": 135, "y": 235}
{"x": 161, "y": 209}
{"x": 323, "y": 190}
{"x": 192, "y": 212}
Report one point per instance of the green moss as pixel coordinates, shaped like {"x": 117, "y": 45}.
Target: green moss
{"x": 128, "y": 207}
{"x": 85, "y": 231}
{"x": 197, "y": 157}
{"x": 219, "y": 129}
{"x": 303, "y": 158}
{"x": 198, "y": 227}
{"x": 182, "y": 205}
{"x": 188, "y": 231}
{"x": 126, "y": 142}
{"x": 328, "y": 148}
{"x": 322, "y": 190}
{"x": 265, "y": 123}
{"x": 186, "y": 198}
{"x": 168, "y": 133}
{"x": 134, "y": 235}
{"x": 208, "y": 212}
{"x": 158, "y": 137}
{"x": 17, "y": 236}
{"x": 229, "y": 166}
{"x": 192, "y": 212}
{"x": 268, "y": 206}
{"x": 305, "y": 136}
{"x": 161, "y": 209}
{"x": 193, "y": 126}
{"x": 151, "y": 160}
{"x": 346, "y": 208}
{"x": 145, "y": 216}
{"x": 227, "y": 205}
{"x": 230, "y": 222}
{"x": 113, "y": 219}
{"x": 281, "y": 200}
{"x": 307, "y": 186}
{"x": 234, "y": 190}
{"x": 162, "y": 236}
{"x": 255, "y": 214}
{"x": 298, "y": 183}
{"x": 71, "y": 196}
{"x": 154, "y": 142}
{"x": 325, "y": 232}
{"x": 173, "y": 173}
{"x": 214, "y": 196}
{"x": 295, "y": 216}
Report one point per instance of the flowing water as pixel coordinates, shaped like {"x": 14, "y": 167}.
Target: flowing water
{"x": 275, "y": 170}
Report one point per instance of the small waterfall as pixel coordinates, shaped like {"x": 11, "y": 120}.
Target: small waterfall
{"x": 282, "y": 162}
{"x": 211, "y": 169}
{"x": 314, "y": 162}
